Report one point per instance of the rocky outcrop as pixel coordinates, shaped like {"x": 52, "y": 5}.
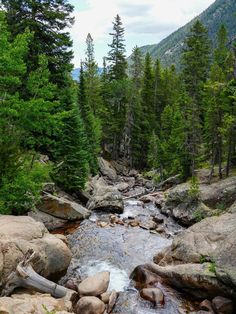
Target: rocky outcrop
{"x": 62, "y": 208}
{"x": 18, "y": 235}
{"x": 106, "y": 198}
{"x": 188, "y": 209}
{"x": 201, "y": 260}
{"x": 184, "y": 207}
{"x": 106, "y": 169}
{"x": 37, "y": 303}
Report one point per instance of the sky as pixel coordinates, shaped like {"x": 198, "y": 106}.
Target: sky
{"x": 145, "y": 21}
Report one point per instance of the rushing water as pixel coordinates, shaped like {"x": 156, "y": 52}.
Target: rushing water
{"x": 119, "y": 249}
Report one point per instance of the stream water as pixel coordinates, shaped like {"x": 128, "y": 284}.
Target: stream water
{"x": 119, "y": 249}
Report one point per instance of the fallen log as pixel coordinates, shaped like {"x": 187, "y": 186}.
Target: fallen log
{"x": 24, "y": 276}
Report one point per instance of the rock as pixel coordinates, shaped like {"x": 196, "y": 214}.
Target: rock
{"x": 62, "y": 208}
{"x": 105, "y": 297}
{"x": 143, "y": 277}
{"x": 122, "y": 186}
{"x": 72, "y": 284}
{"x": 134, "y": 223}
{"x": 158, "y": 219}
{"x": 90, "y": 305}
{"x": 18, "y": 235}
{"x": 107, "y": 169}
{"x": 94, "y": 285}
{"x": 120, "y": 168}
{"x": 112, "y": 301}
{"x": 206, "y": 306}
{"x": 106, "y": 198}
{"x": 222, "y": 305}
{"x": 133, "y": 173}
{"x": 50, "y": 222}
{"x": 184, "y": 208}
{"x": 220, "y": 193}
{"x": 211, "y": 242}
{"x": 154, "y": 295}
{"x": 232, "y": 208}
{"x": 34, "y": 303}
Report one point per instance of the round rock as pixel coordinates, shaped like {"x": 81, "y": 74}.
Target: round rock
{"x": 94, "y": 285}
{"x": 90, "y": 305}
{"x": 154, "y": 295}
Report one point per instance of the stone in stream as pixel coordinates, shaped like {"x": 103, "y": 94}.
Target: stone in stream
{"x": 90, "y": 305}
{"x": 105, "y": 297}
{"x": 143, "y": 277}
{"x": 222, "y": 305}
{"x": 112, "y": 301}
{"x": 154, "y": 295}
{"x": 94, "y": 285}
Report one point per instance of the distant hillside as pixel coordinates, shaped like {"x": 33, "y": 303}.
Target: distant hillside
{"x": 76, "y": 73}
{"x": 220, "y": 12}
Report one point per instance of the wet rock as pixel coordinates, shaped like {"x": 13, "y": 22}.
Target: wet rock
{"x": 94, "y": 285}
{"x": 62, "y": 208}
{"x": 106, "y": 198}
{"x": 134, "y": 223}
{"x": 206, "y": 306}
{"x": 25, "y": 303}
{"x": 222, "y": 305}
{"x": 18, "y": 235}
{"x": 143, "y": 277}
{"x": 158, "y": 219}
{"x": 112, "y": 301}
{"x": 72, "y": 284}
{"x": 154, "y": 295}
{"x": 50, "y": 222}
{"x": 107, "y": 169}
{"x": 90, "y": 305}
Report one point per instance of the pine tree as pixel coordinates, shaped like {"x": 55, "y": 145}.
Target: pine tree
{"x": 147, "y": 107}
{"x": 158, "y": 94}
{"x": 47, "y": 20}
{"x": 116, "y": 56}
{"x": 12, "y": 69}
{"x": 195, "y": 72}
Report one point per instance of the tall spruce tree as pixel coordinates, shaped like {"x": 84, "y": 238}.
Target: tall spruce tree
{"x": 195, "y": 73}
{"x": 116, "y": 55}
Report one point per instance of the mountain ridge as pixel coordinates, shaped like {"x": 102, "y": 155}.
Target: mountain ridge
{"x": 168, "y": 51}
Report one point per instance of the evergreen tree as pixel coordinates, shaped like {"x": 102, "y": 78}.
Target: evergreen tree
{"x": 116, "y": 56}
{"x": 147, "y": 107}
{"x": 47, "y": 20}
{"x": 195, "y": 72}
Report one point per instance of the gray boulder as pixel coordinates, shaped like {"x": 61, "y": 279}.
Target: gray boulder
{"x": 63, "y": 208}
{"x": 107, "y": 169}
{"x": 202, "y": 258}
{"x": 106, "y": 198}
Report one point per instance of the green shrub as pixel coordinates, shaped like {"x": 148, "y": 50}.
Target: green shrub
{"x": 212, "y": 267}
{"x": 194, "y": 190}
{"x": 22, "y": 193}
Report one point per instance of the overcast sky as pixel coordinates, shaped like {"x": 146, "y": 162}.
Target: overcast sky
{"x": 145, "y": 21}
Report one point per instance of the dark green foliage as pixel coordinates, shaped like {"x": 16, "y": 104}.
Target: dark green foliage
{"x": 116, "y": 56}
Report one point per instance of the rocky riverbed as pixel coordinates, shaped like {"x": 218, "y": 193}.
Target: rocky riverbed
{"x": 127, "y": 224}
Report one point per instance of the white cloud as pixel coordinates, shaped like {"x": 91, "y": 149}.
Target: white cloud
{"x": 145, "y": 21}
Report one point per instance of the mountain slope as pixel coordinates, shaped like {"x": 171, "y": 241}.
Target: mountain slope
{"x": 220, "y": 12}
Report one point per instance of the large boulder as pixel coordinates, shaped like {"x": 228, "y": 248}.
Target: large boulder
{"x": 18, "y": 235}
{"x": 188, "y": 209}
{"x": 202, "y": 259}
{"x": 90, "y": 305}
{"x": 184, "y": 207}
{"x": 107, "y": 198}
{"x": 63, "y": 208}
{"x": 34, "y": 303}
{"x": 50, "y": 222}
{"x": 107, "y": 169}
